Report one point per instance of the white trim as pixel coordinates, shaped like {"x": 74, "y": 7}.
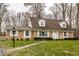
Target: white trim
{"x": 48, "y": 33}
{"x": 37, "y": 33}
{"x": 42, "y": 21}
{"x": 63, "y": 23}
{"x": 11, "y": 34}
{"x": 27, "y": 36}
{"x": 65, "y": 36}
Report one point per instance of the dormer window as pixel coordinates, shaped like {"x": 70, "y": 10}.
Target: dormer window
{"x": 42, "y": 23}
{"x": 63, "y": 24}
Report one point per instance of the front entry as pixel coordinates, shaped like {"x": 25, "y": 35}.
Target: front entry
{"x": 55, "y": 35}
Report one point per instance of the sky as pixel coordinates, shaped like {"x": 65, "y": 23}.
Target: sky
{"x": 16, "y": 7}
{"x": 19, "y": 7}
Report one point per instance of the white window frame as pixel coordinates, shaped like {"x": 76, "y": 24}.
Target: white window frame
{"x": 65, "y": 36}
{"x": 43, "y": 36}
{"x": 27, "y": 36}
{"x": 41, "y": 21}
{"x": 63, "y": 23}
{"x": 11, "y": 34}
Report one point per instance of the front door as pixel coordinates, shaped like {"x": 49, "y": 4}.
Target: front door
{"x": 55, "y": 35}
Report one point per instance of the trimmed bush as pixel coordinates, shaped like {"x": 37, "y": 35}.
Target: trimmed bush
{"x": 21, "y": 39}
{"x": 17, "y": 39}
{"x": 42, "y": 38}
{"x": 70, "y": 38}
{"x": 27, "y": 39}
{"x": 6, "y": 39}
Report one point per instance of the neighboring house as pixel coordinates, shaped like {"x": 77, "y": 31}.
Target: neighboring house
{"x": 42, "y": 28}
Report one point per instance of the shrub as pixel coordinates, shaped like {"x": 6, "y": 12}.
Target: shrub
{"x": 21, "y": 39}
{"x": 17, "y": 39}
{"x": 27, "y": 39}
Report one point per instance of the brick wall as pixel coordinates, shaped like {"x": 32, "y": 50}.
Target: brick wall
{"x": 20, "y": 34}
{"x": 70, "y": 34}
{"x": 34, "y": 34}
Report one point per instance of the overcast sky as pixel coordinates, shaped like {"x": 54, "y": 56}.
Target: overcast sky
{"x": 20, "y": 7}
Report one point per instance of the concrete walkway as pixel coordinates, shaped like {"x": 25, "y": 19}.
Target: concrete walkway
{"x": 23, "y": 47}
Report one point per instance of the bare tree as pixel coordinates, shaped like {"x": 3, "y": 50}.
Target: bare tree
{"x": 62, "y": 8}
{"x": 3, "y": 11}
{"x": 55, "y": 11}
{"x": 26, "y": 16}
{"x": 19, "y": 16}
{"x": 37, "y": 8}
{"x": 69, "y": 13}
{"x": 22, "y": 18}
{"x": 77, "y": 20}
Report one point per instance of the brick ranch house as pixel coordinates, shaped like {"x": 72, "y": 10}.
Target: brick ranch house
{"x": 42, "y": 28}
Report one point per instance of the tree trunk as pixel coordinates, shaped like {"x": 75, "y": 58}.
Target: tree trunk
{"x": 77, "y": 26}
{"x": 77, "y": 20}
{"x": 70, "y": 15}
{"x": 0, "y": 28}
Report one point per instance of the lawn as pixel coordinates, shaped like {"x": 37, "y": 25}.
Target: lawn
{"x": 9, "y": 43}
{"x": 52, "y": 48}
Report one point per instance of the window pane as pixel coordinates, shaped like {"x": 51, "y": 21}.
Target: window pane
{"x": 14, "y": 32}
{"x": 45, "y": 33}
{"x": 42, "y": 23}
{"x": 63, "y": 25}
{"x": 27, "y": 33}
{"x": 65, "y": 34}
{"x": 41, "y": 33}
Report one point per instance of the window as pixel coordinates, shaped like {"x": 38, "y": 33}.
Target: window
{"x": 41, "y": 23}
{"x": 63, "y": 25}
{"x": 27, "y": 33}
{"x": 15, "y": 33}
{"x": 42, "y": 33}
{"x": 65, "y": 34}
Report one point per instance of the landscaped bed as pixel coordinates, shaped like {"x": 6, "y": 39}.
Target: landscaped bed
{"x": 52, "y": 48}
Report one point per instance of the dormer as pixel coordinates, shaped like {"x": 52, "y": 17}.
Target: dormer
{"x": 63, "y": 24}
{"x": 42, "y": 23}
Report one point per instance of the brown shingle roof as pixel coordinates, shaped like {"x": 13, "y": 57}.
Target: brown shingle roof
{"x": 18, "y": 28}
{"x": 50, "y": 24}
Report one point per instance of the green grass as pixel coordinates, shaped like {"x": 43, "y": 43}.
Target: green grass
{"x": 52, "y": 48}
{"x": 9, "y": 43}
